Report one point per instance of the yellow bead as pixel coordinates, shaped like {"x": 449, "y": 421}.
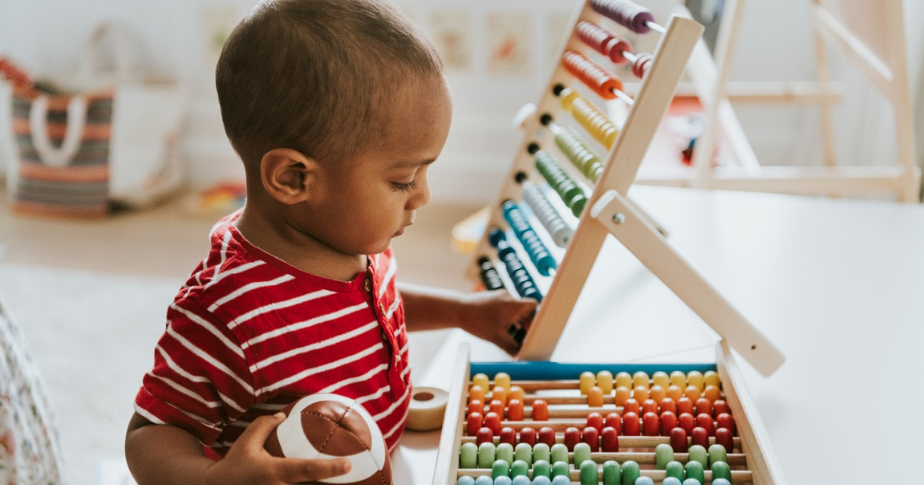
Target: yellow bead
{"x": 624, "y": 379}
{"x": 712, "y": 378}
{"x": 658, "y": 393}
{"x": 516, "y": 392}
{"x": 605, "y": 381}
{"x": 481, "y": 380}
{"x": 678, "y": 379}
{"x": 588, "y": 380}
{"x": 499, "y": 394}
{"x": 567, "y": 98}
{"x": 622, "y": 395}
{"x": 661, "y": 378}
{"x": 695, "y": 378}
{"x": 640, "y": 379}
{"x": 502, "y": 379}
{"x": 595, "y": 397}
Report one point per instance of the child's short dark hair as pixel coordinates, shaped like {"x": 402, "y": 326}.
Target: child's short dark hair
{"x": 312, "y": 75}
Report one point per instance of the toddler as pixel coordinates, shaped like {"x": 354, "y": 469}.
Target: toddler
{"x": 337, "y": 108}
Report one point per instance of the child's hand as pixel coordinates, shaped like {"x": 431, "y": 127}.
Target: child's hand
{"x": 490, "y": 315}
{"x": 248, "y": 463}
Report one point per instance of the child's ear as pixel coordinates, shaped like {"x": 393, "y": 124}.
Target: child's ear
{"x": 287, "y": 175}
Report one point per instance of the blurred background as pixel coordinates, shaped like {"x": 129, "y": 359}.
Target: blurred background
{"x": 90, "y": 294}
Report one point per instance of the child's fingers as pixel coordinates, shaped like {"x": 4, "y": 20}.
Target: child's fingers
{"x": 259, "y": 430}
{"x": 299, "y": 471}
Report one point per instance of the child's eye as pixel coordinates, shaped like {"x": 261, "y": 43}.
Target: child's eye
{"x": 405, "y": 187}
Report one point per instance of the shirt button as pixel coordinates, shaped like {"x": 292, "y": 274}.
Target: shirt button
{"x": 367, "y": 284}
{"x": 382, "y": 308}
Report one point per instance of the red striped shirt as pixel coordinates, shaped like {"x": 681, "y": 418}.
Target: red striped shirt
{"x": 248, "y": 334}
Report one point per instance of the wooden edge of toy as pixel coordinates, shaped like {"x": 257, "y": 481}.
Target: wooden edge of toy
{"x": 762, "y": 461}
{"x": 447, "y": 464}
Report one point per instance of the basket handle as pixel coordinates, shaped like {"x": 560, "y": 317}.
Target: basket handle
{"x": 73, "y": 136}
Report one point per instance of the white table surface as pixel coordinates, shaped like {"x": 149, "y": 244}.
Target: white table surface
{"x": 837, "y": 285}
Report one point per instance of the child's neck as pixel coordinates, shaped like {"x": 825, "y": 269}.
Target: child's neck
{"x": 298, "y": 249}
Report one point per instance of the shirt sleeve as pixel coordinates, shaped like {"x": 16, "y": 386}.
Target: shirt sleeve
{"x": 201, "y": 380}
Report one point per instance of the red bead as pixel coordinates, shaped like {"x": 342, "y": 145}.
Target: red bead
{"x": 547, "y": 436}
{"x": 651, "y": 425}
{"x": 515, "y": 410}
{"x": 508, "y": 435}
{"x": 572, "y": 437}
{"x": 668, "y": 422}
{"x": 679, "y": 440}
{"x": 687, "y": 422}
{"x": 727, "y": 421}
{"x": 668, "y": 404}
{"x": 614, "y": 421}
{"x": 595, "y": 420}
{"x": 475, "y": 406}
{"x": 631, "y": 424}
{"x": 700, "y": 437}
{"x": 723, "y": 436}
{"x": 493, "y": 420}
{"x": 631, "y": 407}
{"x": 540, "y": 410}
{"x": 703, "y": 406}
{"x": 685, "y": 405}
{"x": 528, "y": 436}
{"x": 485, "y": 435}
{"x": 475, "y": 421}
{"x": 720, "y": 407}
{"x": 649, "y": 406}
{"x": 592, "y": 437}
{"x": 705, "y": 421}
{"x": 496, "y": 407}
{"x": 610, "y": 440}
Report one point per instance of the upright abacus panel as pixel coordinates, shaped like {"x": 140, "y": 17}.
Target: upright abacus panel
{"x": 544, "y": 423}
{"x": 572, "y": 144}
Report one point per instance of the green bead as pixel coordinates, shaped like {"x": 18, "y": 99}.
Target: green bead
{"x": 698, "y": 453}
{"x": 630, "y": 472}
{"x": 664, "y": 454}
{"x": 588, "y": 472}
{"x": 561, "y": 468}
{"x": 542, "y": 452}
{"x": 542, "y": 468}
{"x": 695, "y": 470}
{"x": 717, "y": 454}
{"x": 720, "y": 469}
{"x": 559, "y": 453}
{"x": 524, "y": 452}
{"x": 505, "y": 452}
{"x": 612, "y": 475}
{"x": 675, "y": 469}
{"x": 500, "y": 469}
{"x": 468, "y": 457}
{"x": 487, "y": 454}
{"x": 581, "y": 454}
{"x": 577, "y": 204}
{"x": 519, "y": 468}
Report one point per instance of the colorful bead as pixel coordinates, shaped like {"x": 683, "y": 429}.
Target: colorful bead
{"x": 624, "y": 379}
{"x": 711, "y": 378}
{"x": 474, "y": 422}
{"x": 595, "y": 420}
{"x": 660, "y": 378}
{"x": 622, "y": 395}
{"x": 630, "y": 472}
{"x": 694, "y": 469}
{"x": 466, "y": 480}
{"x": 679, "y": 440}
{"x": 587, "y": 380}
{"x": 658, "y": 393}
{"x": 581, "y": 453}
{"x": 595, "y": 397}
{"x": 476, "y": 393}
{"x": 572, "y": 437}
{"x": 609, "y": 441}
{"x": 674, "y": 392}
{"x": 519, "y": 468}
{"x": 644, "y": 481}
{"x": 516, "y": 392}
{"x": 502, "y": 379}
{"x": 508, "y": 435}
{"x": 480, "y": 380}
{"x": 540, "y": 410}
{"x": 561, "y": 469}
{"x": 500, "y": 468}
{"x": 515, "y": 410}
{"x": 651, "y": 425}
{"x": 559, "y": 453}
{"x": 487, "y": 455}
{"x": 678, "y": 379}
{"x": 528, "y": 436}
{"x": 484, "y": 480}
{"x": 605, "y": 381}
{"x": 720, "y": 469}
{"x": 696, "y": 379}
{"x": 503, "y": 481}
{"x": 493, "y": 422}
{"x": 588, "y": 473}
{"x": 505, "y": 452}
{"x": 613, "y": 420}
{"x": 726, "y": 421}
{"x": 717, "y": 454}
{"x": 591, "y": 437}
{"x": 674, "y": 470}
{"x": 664, "y": 454}
{"x": 724, "y": 437}
{"x": 561, "y": 480}
{"x": 668, "y": 422}
{"x": 523, "y": 452}
{"x": 541, "y": 468}
{"x": 541, "y": 452}
{"x": 612, "y": 474}
{"x": 520, "y": 480}
{"x": 485, "y": 435}
{"x": 698, "y": 453}
{"x": 640, "y": 379}
{"x": 547, "y": 436}
{"x": 468, "y": 456}
{"x": 712, "y": 393}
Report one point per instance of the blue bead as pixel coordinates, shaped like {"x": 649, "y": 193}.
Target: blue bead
{"x": 542, "y": 480}
{"x": 644, "y": 481}
{"x": 466, "y": 481}
{"x": 502, "y": 481}
{"x": 520, "y": 480}
{"x": 720, "y": 481}
{"x": 691, "y": 481}
{"x": 561, "y": 480}
{"x": 484, "y": 480}
{"x": 671, "y": 481}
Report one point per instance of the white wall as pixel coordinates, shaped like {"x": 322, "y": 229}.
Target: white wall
{"x": 45, "y": 36}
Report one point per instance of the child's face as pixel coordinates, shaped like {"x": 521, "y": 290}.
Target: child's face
{"x": 374, "y": 197}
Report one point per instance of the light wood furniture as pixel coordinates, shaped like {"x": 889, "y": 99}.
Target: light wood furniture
{"x": 868, "y": 34}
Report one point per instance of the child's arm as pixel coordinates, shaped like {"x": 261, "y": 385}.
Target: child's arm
{"x": 165, "y": 455}
{"x": 486, "y": 315}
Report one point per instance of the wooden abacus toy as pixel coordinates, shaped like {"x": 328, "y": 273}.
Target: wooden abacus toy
{"x": 546, "y": 423}
{"x": 591, "y": 192}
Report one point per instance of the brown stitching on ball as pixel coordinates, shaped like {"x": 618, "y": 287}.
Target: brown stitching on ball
{"x": 331, "y": 435}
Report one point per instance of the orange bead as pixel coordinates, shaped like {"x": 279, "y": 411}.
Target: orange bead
{"x": 712, "y": 393}
{"x": 692, "y": 392}
{"x": 515, "y": 410}
{"x": 640, "y": 393}
{"x": 540, "y": 410}
{"x": 658, "y": 393}
{"x": 631, "y": 407}
{"x": 476, "y": 393}
{"x": 675, "y": 393}
{"x": 475, "y": 406}
{"x": 649, "y": 406}
{"x": 496, "y": 407}
{"x": 499, "y": 394}
{"x": 595, "y": 397}
{"x": 516, "y": 392}
{"x": 622, "y": 395}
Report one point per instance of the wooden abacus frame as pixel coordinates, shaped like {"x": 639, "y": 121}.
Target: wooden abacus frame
{"x": 608, "y": 211}
{"x": 761, "y": 462}
{"x": 886, "y": 71}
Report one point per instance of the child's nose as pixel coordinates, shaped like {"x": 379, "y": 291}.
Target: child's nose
{"x": 421, "y": 196}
